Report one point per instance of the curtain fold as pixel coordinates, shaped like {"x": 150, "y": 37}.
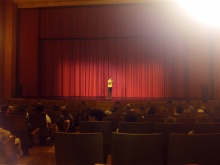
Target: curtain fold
{"x": 107, "y": 21}
{"x": 141, "y": 67}
{"x": 140, "y": 45}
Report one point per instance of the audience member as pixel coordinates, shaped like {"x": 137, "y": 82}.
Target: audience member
{"x": 130, "y": 116}
{"x": 179, "y": 109}
{"x": 82, "y": 106}
{"x": 67, "y": 119}
{"x": 4, "y": 108}
{"x": 40, "y": 109}
{"x": 11, "y": 109}
{"x": 152, "y": 110}
{"x": 201, "y": 109}
{"x": 115, "y": 107}
{"x": 96, "y": 114}
{"x": 128, "y": 106}
{"x": 16, "y": 110}
{"x": 85, "y": 114}
{"x": 82, "y": 116}
{"x": 162, "y": 110}
{"x": 10, "y": 147}
{"x": 169, "y": 119}
{"x": 202, "y": 117}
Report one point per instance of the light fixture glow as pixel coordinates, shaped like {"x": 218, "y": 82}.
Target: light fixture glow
{"x": 205, "y": 11}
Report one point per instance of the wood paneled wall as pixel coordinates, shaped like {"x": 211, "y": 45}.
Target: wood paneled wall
{"x": 9, "y": 42}
{"x": 2, "y": 23}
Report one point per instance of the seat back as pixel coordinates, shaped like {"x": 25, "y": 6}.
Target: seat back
{"x": 136, "y": 127}
{"x": 154, "y": 118}
{"x": 167, "y": 128}
{"x": 206, "y": 128}
{"x": 114, "y": 121}
{"x": 18, "y": 126}
{"x": 136, "y": 149}
{"x": 216, "y": 119}
{"x": 105, "y": 127}
{"x": 2, "y": 119}
{"x": 194, "y": 149}
{"x": 78, "y": 148}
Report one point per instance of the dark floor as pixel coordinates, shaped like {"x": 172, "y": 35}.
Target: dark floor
{"x": 39, "y": 155}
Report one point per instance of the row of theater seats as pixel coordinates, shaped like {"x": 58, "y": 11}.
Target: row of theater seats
{"x": 149, "y": 127}
{"x": 31, "y": 130}
{"x": 135, "y": 146}
{"x": 17, "y": 124}
{"x": 190, "y": 119}
{"x": 137, "y": 149}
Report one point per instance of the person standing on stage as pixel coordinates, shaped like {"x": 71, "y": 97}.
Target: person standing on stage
{"x": 110, "y": 84}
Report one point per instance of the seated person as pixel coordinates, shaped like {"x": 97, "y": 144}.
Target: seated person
{"x": 4, "y": 108}
{"x": 96, "y": 115}
{"x": 130, "y": 116}
{"x": 179, "y": 109}
{"x": 55, "y": 117}
{"x": 10, "y": 147}
{"x": 115, "y": 107}
{"x": 40, "y": 109}
{"x": 152, "y": 110}
{"x": 169, "y": 119}
{"x": 202, "y": 117}
{"x": 67, "y": 119}
{"x": 16, "y": 110}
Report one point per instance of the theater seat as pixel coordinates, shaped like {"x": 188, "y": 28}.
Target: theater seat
{"x": 200, "y": 149}
{"x": 136, "y": 127}
{"x": 38, "y": 120}
{"x": 136, "y": 149}
{"x": 18, "y": 126}
{"x": 78, "y": 148}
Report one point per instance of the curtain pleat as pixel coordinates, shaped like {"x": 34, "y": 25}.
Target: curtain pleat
{"x": 139, "y": 45}
{"x": 141, "y": 67}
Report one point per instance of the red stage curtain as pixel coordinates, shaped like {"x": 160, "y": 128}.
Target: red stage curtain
{"x": 141, "y": 67}
{"x": 140, "y": 46}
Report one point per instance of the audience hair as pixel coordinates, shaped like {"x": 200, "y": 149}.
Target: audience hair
{"x": 39, "y": 108}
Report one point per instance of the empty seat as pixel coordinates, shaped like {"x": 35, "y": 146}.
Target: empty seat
{"x": 105, "y": 127}
{"x": 200, "y": 149}
{"x": 136, "y": 149}
{"x": 18, "y": 126}
{"x": 78, "y": 148}
{"x": 206, "y": 128}
{"x": 167, "y": 128}
{"x": 113, "y": 120}
{"x": 136, "y": 127}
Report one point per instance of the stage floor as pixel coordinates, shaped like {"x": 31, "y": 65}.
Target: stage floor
{"x": 101, "y": 98}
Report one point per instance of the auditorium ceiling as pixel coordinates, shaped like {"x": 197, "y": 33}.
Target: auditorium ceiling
{"x": 51, "y": 3}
